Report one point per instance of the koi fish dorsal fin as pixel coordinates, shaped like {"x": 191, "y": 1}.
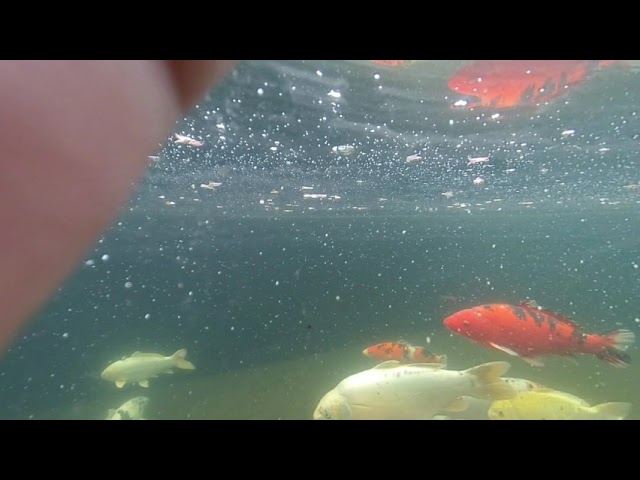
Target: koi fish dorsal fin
{"x": 142, "y": 354}
{"x": 558, "y": 317}
{"x": 568, "y": 396}
{"x": 427, "y": 365}
{"x": 387, "y": 364}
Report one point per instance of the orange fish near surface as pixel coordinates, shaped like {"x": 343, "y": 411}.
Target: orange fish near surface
{"x": 529, "y": 332}
{"x": 402, "y": 352}
{"x": 503, "y": 84}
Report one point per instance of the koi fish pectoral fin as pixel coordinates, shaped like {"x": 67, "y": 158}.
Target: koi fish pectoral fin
{"x": 504, "y": 349}
{"x": 460, "y": 404}
{"x": 533, "y": 361}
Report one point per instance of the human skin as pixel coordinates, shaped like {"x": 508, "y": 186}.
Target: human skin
{"x": 74, "y": 140}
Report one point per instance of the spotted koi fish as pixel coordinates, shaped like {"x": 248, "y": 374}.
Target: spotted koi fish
{"x": 402, "y": 352}
{"x": 530, "y": 332}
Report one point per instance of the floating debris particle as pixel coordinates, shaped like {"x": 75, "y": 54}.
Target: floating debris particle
{"x": 343, "y": 150}
{"x": 315, "y": 195}
{"x": 186, "y": 140}
{"x": 475, "y": 160}
{"x": 210, "y": 185}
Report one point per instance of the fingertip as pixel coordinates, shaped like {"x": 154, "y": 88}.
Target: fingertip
{"x": 192, "y": 78}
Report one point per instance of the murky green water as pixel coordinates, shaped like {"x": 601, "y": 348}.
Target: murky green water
{"x": 278, "y": 277}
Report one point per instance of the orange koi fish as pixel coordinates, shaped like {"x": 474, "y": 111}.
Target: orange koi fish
{"x": 530, "y": 332}
{"x": 503, "y": 84}
{"x": 402, "y": 352}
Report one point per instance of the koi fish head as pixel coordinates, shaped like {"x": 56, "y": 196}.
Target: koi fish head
{"x": 468, "y": 95}
{"x": 333, "y": 406}
{"x": 468, "y": 323}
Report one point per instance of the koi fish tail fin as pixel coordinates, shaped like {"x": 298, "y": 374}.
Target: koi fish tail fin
{"x": 179, "y": 358}
{"x": 613, "y": 410}
{"x": 622, "y": 339}
{"x": 615, "y": 352}
{"x": 489, "y": 384}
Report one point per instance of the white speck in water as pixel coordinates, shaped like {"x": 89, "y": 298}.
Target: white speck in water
{"x": 88, "y": 263}
{"x": 635, "y": 265}
{"x": 128, "y": 285}
{"x": 260, "y": 91}
{"x": 404, "y": 232}
{"x": 277, "y": 283}
{"x": 65, "y": 335}
{"x": 461, "y": 103}
{"x": 451, "y": 122}
{"x": 105, "y": 257}
{"x": 338, "y": 298}
{"x": 319, "y": 73}
{"x": 637, "y": 320}
{"x": 428, "y": 340}
{"x": 334, "y": 94}
{"x": 377, "y": 76}
{"x": 232, "y": 328}
{"x": 147, "y": 316}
